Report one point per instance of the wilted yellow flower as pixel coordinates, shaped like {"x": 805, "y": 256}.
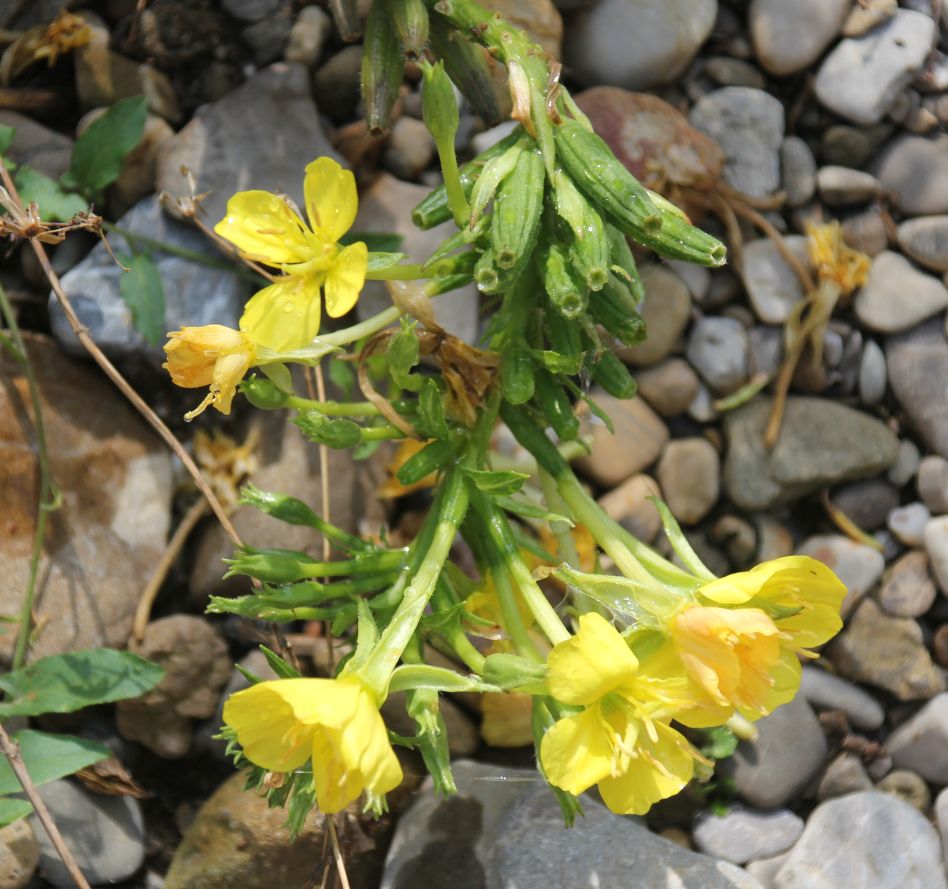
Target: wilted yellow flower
{"x": 267, "y": 228}
{"x": 212, "y": 355}
{"x": 335, "y": 722}
{"x": 224, "y": 463}
{"x": 621, "y": 740}
{"x": 834, "y": 260}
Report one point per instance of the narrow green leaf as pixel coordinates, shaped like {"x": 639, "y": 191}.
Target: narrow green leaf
{"x": 679, "y": 543}
{"x": 499, "y": 484}
{"x": 98, "y": 153}
{"x": 141, "y": 289}
{"x": 48, "y": 757}
{"x": 379, "y": 261}
{"x": 416, "y": 676}
{"x": 431, "y": 410}
{"x": 13, "y": 810}
{"x": 55, "y": 204}
{"x": 529, "y": 511}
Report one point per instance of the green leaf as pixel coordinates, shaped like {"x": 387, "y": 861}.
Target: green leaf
{"x": 55, "y": 204}
{"x": 13, "y": 810}
{"x": 529, "y": 511}
{"x": 403, "y": 354}
{"x": 63, "y": 683}
{"x": 279, "y": 665}
{"x": 416, "y": 676}
{"x": 377, "y": 242}
{"x": 720, "y": 742}
{"x": 6, "y": 137}
{"x": 98, "y": 153}
{"x": 679, "y": 543}
{"x": 141, "y": 289}
{"x": 431, "y": 410}
{"x": 342, "y": 375}
{"x": 498, "y": 484}
{"x": 379, "y": 261}
{"x": 48, "y": 757}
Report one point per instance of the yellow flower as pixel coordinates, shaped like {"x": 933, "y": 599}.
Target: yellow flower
{"x": 335, "y": 722}
{"x": 266, "y": 228}
{"x": 621, "y": 739}
{"x": 212, "y": 355}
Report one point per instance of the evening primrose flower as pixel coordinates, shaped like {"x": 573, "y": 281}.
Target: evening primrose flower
{"x": 212, "y": 355}
{"x": 266, "y": 228}
{"x": 335, "y": 722}
{"x": 620, "y": 740}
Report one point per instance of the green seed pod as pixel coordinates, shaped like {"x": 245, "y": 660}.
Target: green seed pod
{"x": 410, "y": 18}
{"x": 591, "y": 252}
{"x": 515, "y": 222}
{"x": 263, "y": 394}
{"x": 429, "y": 459}
{"x": 610, "y": 373}
{"x": 553, "y": 401}
{"x": 494, "y": 172}
{"x": 562, "y": 335}
{"x": 339, "y": 433}
{"x": 623, "y": 262}
{"x": 679, "y": 239}
{"x": 486, "y": 274}
{"x": 616, "y": 310}
{"x": 383, "y": 66}
{"x": 567, "y": 295}
{"x": 516, "y": 372}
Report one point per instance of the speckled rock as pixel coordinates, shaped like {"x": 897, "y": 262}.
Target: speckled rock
{"x": 718, "y": 350}
{"x": 689, "y": 473}
{"x": 741, "y": 835}
{"x": 669, "y": 387}
{"x": 845, "y": 774}
{"x": 908, "y": 589}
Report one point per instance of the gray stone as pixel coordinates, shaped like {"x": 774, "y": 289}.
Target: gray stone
{"x": 748, "y": 124}
{"x": 308, "y": 36}
{"x": 410, "y": 148}
{"x": 926, "y": 240}
{"x": 741, "y": 835}
{"x": 666, "y": 309}
{"x": 842, "y": 186}
{"x": 702, "y": 409}
{"x": 936, "y": 545}
{"x": 194, "y": 294}
{"x": 766, "y": 869}
{"x": 637, "y": 45}
{"x": 932, "y": 483}
{"x": 268, "y": 38}
{"x": 915, "y": 170}
{"x": 941, "y": 818}
{"x": 918, "y": 367}
{"x": 336, "y": 83}
{"x": 772, "y": 285}
{"x": 897, "y": 295}
{"x": 106, "y": 834}
{"x": 727, "y": 71}
{"x": 908, "y": 523}
{"x": 862, "y": 76}
{"x": 865, "y": 839}
{"x": 668, "y": 387}
{"x": 787, "y": 754}
{"x": 489, "y": 138}
{"x": 717, "y": 349}
{"x": 797, "y": 171}
{"x": 628, "y": 504}
{"x": 19, "y": 854}
{"x": 908, "y": 786}
{"x": 789, "y": 37}
{"x": 906, "y": 464}
{"x": 921, "y": 742}
{"x": 887, "y": 652}
{"x": 864, "y": 17}
{"x": 251, "y": 10}
{"x": 766, "y": 349}
{"x": 828, "y": 692}
{"x": 696, "y": 277}
{"x": 872, "y": 374}
{"x": 868, "y": 503}
{"x": 821, "y": 443}
{"x": 908, "y": 589}
{"x": 866, "y": 231}
{"x": 41, "y": 148}
{"x": 843, "y": 775}
{"x": 689, "y": 473}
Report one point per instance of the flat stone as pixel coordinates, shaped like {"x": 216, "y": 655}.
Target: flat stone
{"x": 669, "y": 387}
{"x": 797, "y": 171}
{"x": 898, "y": 296}
{"x": 862, "y": 76}
{"x": 936, "y": 545}
{"x": 741, "y": 835}
{"x": 726, "y": 71}
{"x": 718, "y": 350}
{"x": 689, "y": 473}
{"x": 921, "y": 742}
{"x": 908, "y": 522}
{"x": 789, "y": 38}
{"x": 410, "y": 148}
{"x": 666, "y": 310}
{"x": 868, "y": 503}
{"x": 748, "y": 124}
{"x": 888, "y": 652}
{"x": 941, "y": 817}
{"x": 19, "y": 855}
{"x": 915, "y": 170}
{"x": 908, "y": 589}
{"x": 843, "y": 775}
{"x": 932, "y": 483}
{"x": 773, "y": 287}
{"x": 828, "y": 692}
{"x": 918, "y": 367}
{"x": 821, "y": 443}
{"x": 865, "y": 839}
{"x": 628, "y": 504}
{"x": 843, "y": 186}
{"x": 872, "y": 374}
{"x": 925, "y": 239}
{"x": 866, "y": 231}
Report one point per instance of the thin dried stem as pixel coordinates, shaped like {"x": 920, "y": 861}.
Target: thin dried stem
{"x": 337, "y": 853}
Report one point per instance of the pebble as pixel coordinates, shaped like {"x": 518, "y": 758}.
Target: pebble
{"x": 797, "y": 171}
{"x": 106, "y": 834}
{"x": 308, "y": 36}
{"x": 773, "y": 287}
{"x": 925, "y": 239}
{"x": 915, "y": 170}
{"x": 251, "y": 10}
{"x": 696, "y": 277}
{"x": 907, "y": 786}
{"x": 639, "y": 439}
{"x": 821, "y": 443}
{"x": 741, "y": 835}
{"x": 932, "y": 483}
{"x": 766, "y": 349}
{"x": 702, "y": 409}
{"x": 908, "y": 589}
{"x": 787, "y": 754}
{"x": 666, "y": 310}
{"x": 936, "y": 545}
{"x": 726, "y": 71}
{"x": 766, "y": 869}
{"x": 539, "y": 18}
{"x": 718, "y": 350}
{"x": 689, "y": 472}
{"x": 637, "y": 45}
{"x": 828, "y": 692}
{"x": 865, "y": 17}
{"x": 844, "y": 144}
{"x": 921, "y": 742}
{"x": 748, "y": 124}
{"x": 865, "y": 839}
{"x": 888, "y": 652}
{"x": 268, "y": 39}
{"x": 410, "y": 148}
{"x": 917, "y": 361}
{"x": 906, "y": 464}
{"x": 43, "y": 149}
{"x": 862, "y": 76}
{"x": 898, "y": 296}
{"x": 843, "y": 186}
{"x": 843, "y": 775}
{"x": 19, "y": 854}
{"x": 489, "y": 138}
{"x": 908, "y": 523}
{"x": 336, "y": 83}
{"x": 789, "y": 38}
{"x": 868, "y": 503}
{"x": 669, "y": 387}
{"x": 866, "y": 231}
{"x": 872, "y": 374}
{"x": 628, "y": 504}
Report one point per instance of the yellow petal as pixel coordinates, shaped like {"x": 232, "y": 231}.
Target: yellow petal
{"x": 331, "y": 198}
{"x": 193, "y": 351}
{"x": 592, "y": 663}
{"x": 228, "y": 372}
{"x": 810, "y": 586}
{"x": 265, "y": 228}
{"x": 336, "y": 786}
{"x": 507, "y": 719}
{"x": 366, "y": 746}
{"x": 345, "y": 279}
{"x": 284, "y": 316}
{"x": 786, "y": 683}
{"x": 576, "y": 752}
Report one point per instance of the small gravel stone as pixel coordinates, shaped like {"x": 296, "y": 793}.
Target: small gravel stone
{"x": 843, "y": 775}
{"x": 489, "y": 138}
{"x": 410, "y": 148}
{"x": 936, "y": 545}
{"x": 267, "y": 39}
{"x": 251, "y": 10}
{"x": 828, "y": 692}
{"x": 897, "y": 295}
{"x": 666, "y": 310}
{"x": 865, "y": 17}
{"x": 765, "y": 870}
{"x": 19, "y": 854}
{"x": 737, "y": 537}
{"x": 908, "y": 786}
{"x": 668, "y": 387}
{"x": 872, "y": 374}
{"x": 308, "y": 36}
{"x": 741, "y": 834}
{"x": 925, "y": 239}
{"x": 908, "y": 589}
{"x": 908, "y": 523}
{"x": 906, "y": 464}
{"x": 857, "y": 565}
{"x": 862, "y": 76}
{"x": 932, "y": 483}
{"x": 717, "y": 349}
{"x": 788, "y": 37}
{"x": 797, "y": 171}
{"x": 772, "y": 285}
{"x": 766, "y": 349}
{"x": 921, "y": 742}
{"x": 628, "y": 504}
{"x": 726, "y": 71}
{"x": 915, "y": 170}
{"x": 843, "y": 186}
{"x": 702, "y": 409}
{"x": 866, "y": 231}
{"x": 689, "y": 473}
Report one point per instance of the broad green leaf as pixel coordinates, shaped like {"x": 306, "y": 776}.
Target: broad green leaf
{"x": 63, "y": 683}
{"x": 141, "y": 289}
{"x": 55, "y": 204}
{"x": 48, "y": 757}
{"x": 13, "y": 810}
{"x": 499, "y": 484}
{"x": 98, "y": 153}
{"x": 6, "y": 137}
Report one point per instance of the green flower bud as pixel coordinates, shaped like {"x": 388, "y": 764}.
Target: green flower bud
{"x": 263, "y": 393}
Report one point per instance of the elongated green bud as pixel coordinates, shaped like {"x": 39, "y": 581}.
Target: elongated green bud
{"x": 610, "y": 373}
{"x": 486, "y": 275}
{"x": 439, "y": 108}
{"x": 429, "y": 459}
{"x": 679, "y": 239}
{"x": 339, "y": 433}
{"x": 262, "y": 393}
{"x": 515, "y": 222}
{"x": 410, "y": 18}
{"x": 383, "y": 66}
{"x": 623, "y": 262}
{"x": 494, "y": 172}
{"x": 562, "y": 334}
{"x": 567, "y": 295}
{"x": 553, "y": 401}
{"x": 591, "y": 252}
{"x": 616, "y": 310}
{"x": 516, "y": 373}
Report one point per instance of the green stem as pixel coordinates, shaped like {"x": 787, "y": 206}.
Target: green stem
{"x": 363, "y": 329}
{"x": 561, "y": 531}
{"x": 382, "y": 433}
{"x": 460, "y": 209}
{"x": 405, "y": 272}
{"x": 49, "y": 495}
{"x": 456, "y": 638}
{"x": 333, "y": 408}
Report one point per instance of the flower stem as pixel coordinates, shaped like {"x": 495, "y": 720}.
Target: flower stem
{"x": 406, "y": 272}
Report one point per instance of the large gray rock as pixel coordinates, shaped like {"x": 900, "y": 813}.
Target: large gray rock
{"x": 897, "y": 295}
{"x": 821, "y": 443}
{"x": 917, "y": 361}
{"x": 789, "y": 36}
{"x": 865, "y": 839}
{"x": 915, "y": 170}
{"x": 921, "y": 742}
{"x": 741, "y": 835}
{"x": 194, "y": 293}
